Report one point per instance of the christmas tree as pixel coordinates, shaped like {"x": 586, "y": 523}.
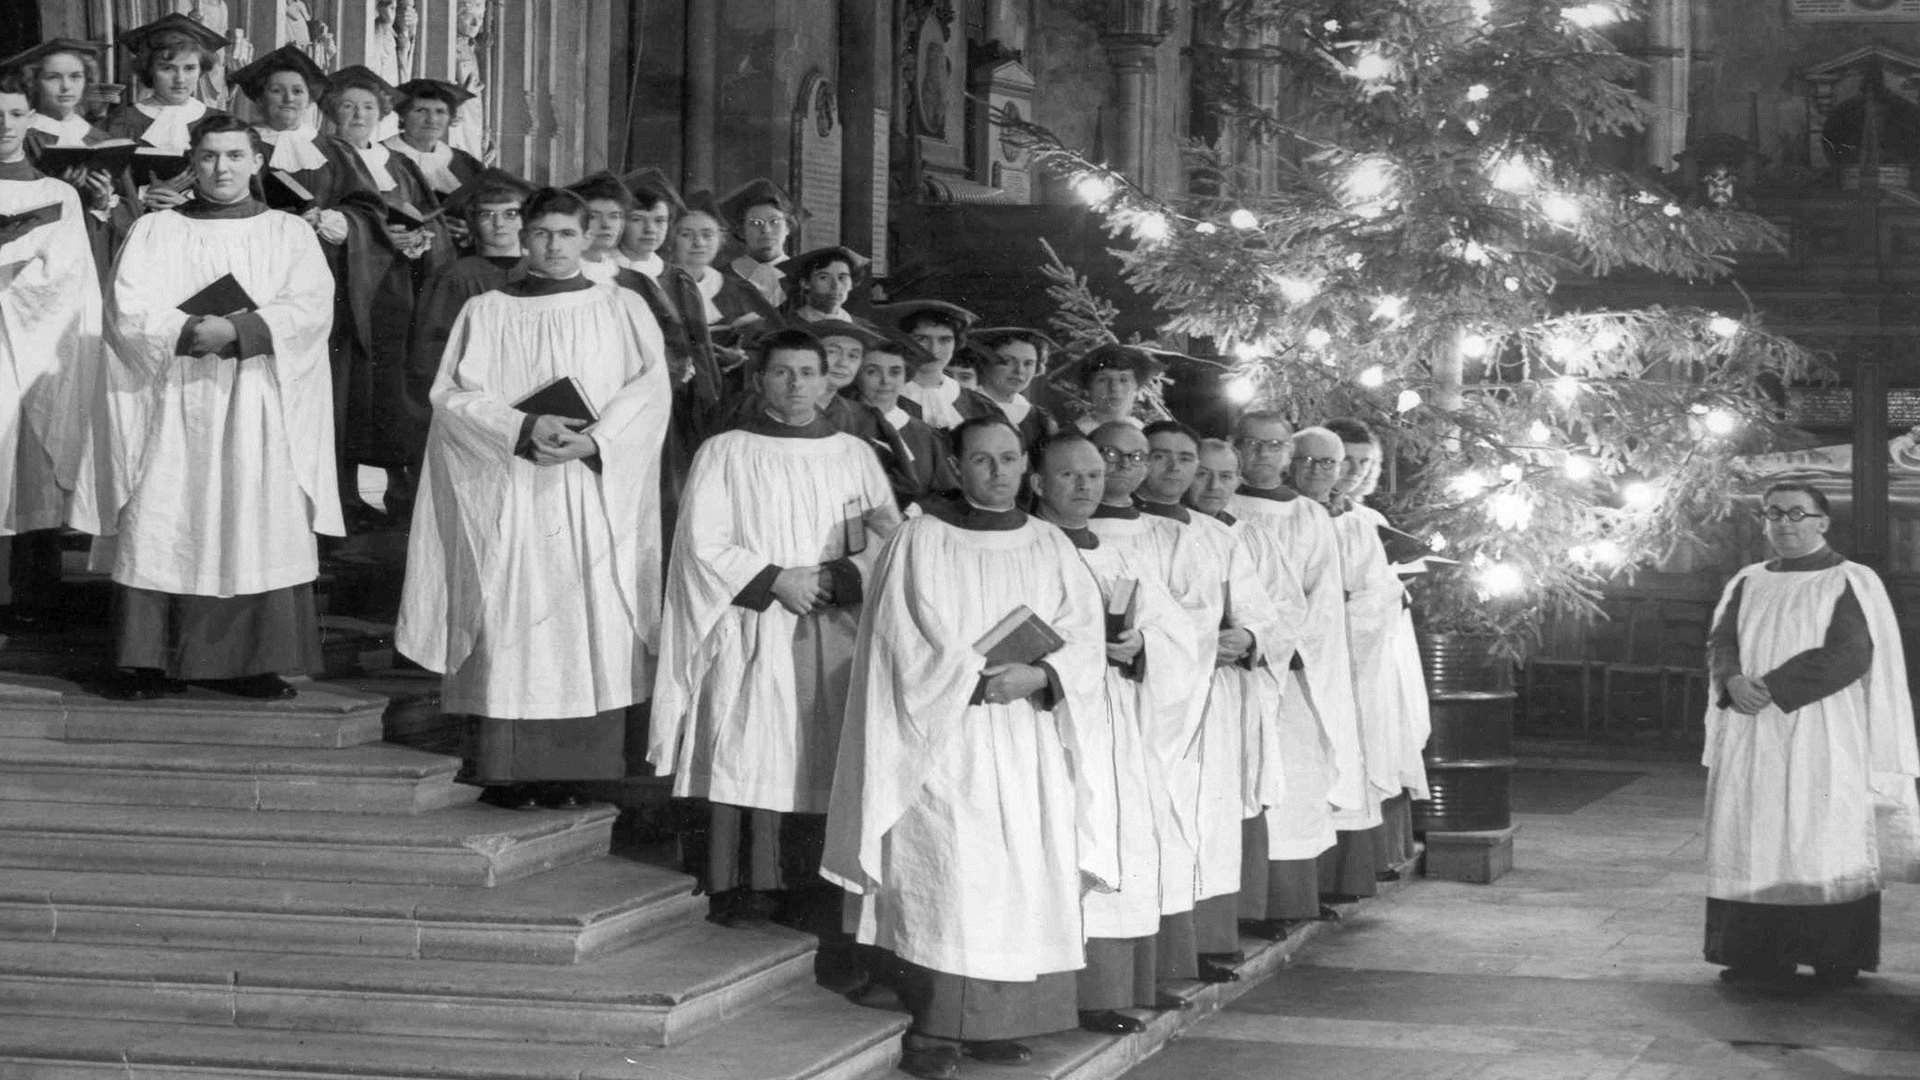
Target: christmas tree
{"x": 1443, "y": 174}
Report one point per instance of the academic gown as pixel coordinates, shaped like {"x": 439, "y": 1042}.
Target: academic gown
{"x": 162, "y": 126}
{"x": 445, "y": 168}
{"x": 221, "y": 467}
{"x": 1295, "y": 554}
{"x": 535, "y": 589}
{"x": 50, "y": 360}
{"x": 1031, "y": 421}
{"x": 963, "y": 829}
{"x": 767, "y": 279}
{"x": 926, "y": 464}
{"x": 445, "y": 293}
{"x": 1810, "y": 802}
{"x": 1236, "y": 744}
{"x": 105, "y": 231}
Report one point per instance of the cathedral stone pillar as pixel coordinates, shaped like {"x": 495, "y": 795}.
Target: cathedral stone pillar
{"x": 1669, "y": 55}
{"x": 1131, "y": 37}
{"x": 865, "y": 86}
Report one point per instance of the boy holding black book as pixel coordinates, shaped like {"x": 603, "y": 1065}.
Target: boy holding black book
{"x": 533, "y": 579}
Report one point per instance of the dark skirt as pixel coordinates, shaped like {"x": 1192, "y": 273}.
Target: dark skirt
{"x": 1346, "y": 868}
{"x": 763, "y": 850}
{"x": 217, "y": 637}
{"x": 1176, "y": 956}
{"x": 1121, "y": 973}
{"x": 1274, "y": 888}
{"x": 1393, "y": 843}
{"x": 33, "y": 572}
{"x": 1216, "y": 924}
{"x": 1747, "y": 935}
{"x": 947, "y": 1006}
{"x": 510, "y": 751}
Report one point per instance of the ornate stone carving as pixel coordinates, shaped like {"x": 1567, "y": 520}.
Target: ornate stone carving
{"x": 472, "y": 31}
{"x": 406, "y": 35}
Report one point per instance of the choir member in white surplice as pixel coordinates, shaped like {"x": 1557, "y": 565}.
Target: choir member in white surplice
{"x": 1237, "y": 623}
{"x": 50, "y": 359}
{"x": 780, "y": 522}
{"x": 1242, "y": 771}
{"x": 1392, "y": 670}
{"x": 1170, "y": 703}
{"x": 1148, "y": 674}
{"x": 222, "y": 436}
{"x": 1811, "y": 757}
{"x": 970, "y": 800}
{"x": 1296, "y": 553}
{"x": 533, "y": 567}
{"x": 1373, "y": 603}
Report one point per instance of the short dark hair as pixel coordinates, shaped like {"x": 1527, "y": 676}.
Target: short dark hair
{"x": 791, "y": 338}
{"x": 224, "y": 124}
{"x": 553, "y": 200}
{"x": 647, "y": 195}
{"x": 933, "y": 315}
{"x": 490, "y": 193}
{"x": 957, "y": 439}
{"x": 166, "y": 46}
{"x": 1352, "y": 431}
{"x": 1819, "y": 497}
{"x": 1172, "y": 427}
{"x": 1037, "y": 455}
{"x": 603, "y": 187}
{"x": 16, "y": 82}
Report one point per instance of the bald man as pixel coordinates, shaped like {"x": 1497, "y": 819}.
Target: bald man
{"x": 1295, "y": 554}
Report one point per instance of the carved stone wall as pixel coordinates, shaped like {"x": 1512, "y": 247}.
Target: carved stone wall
{"x": 818, "y": 136}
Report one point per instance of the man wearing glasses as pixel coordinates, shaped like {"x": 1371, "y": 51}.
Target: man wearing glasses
{"x": 1295, "y": 553}
{"x": 1811, "y": 758}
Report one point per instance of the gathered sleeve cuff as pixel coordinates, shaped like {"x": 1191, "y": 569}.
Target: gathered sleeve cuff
{"x": 843, "y": 582}
{"x": 1837, "y": 663}
{"x": 758, "y": 595}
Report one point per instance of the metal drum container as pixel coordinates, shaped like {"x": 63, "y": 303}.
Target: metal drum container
{"x": 1470, "y": 757}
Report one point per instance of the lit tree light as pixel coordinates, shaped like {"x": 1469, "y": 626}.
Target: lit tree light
{"x": 1578, "y": 468}
{"x": 1239, "y": 390}
{"x": 1607, "y": 553}
{"x": 1437, "y": 542}
{"x": 1473, "y": 127}
{"x": 1368, "y": 183}
{"x": 1671, "y": 210}
{"x": 1606, "y": 340}
{"x": 1722, "y": 422}
{"x": 1389, "y": 308}
{"x": 1331, "y": 26}
{"x": 1243, "y": 219}
{"x": 1298, "y": 290}
{"x": 1589, "y": 16}
{"x": 1510, "y": 510}
{"x": 1206, "y": 228}
{"x": 1318, "y": 338}
{"x": 1246, "y": 352}
{"x": 1511, "y": 472}
{"x": 1372, "y": 377}
{"x": 1482, "y": 9}
{"x": 1724, "y": 326}
{"x": 1562, "y": 210}
{"x": 1408, "y": 401}
{"x": 1512, "y": 283}
{"x": 1093, "y": 189}
{"x": 1539, "y": 432}
{"x": 1502, "y": 579}
{"x": 1474, "y": 346}
{"x": 1355, "y": 260}
{"x": 1512, "y": 175}
{"x": 1647, "y": 198}
{"x": 1567, "y": 389}
{"x": 1640, "y": 495}
{"x": 1152, "y": 227}
{"x": 1468, "y": 485}
{"x": 1478, "y": 92}
{"x": 1562, "y": 348}
{"x": 1372, "y": 66}
{"x": 1579, "y": 553}
{"x": 1698, "y": 408}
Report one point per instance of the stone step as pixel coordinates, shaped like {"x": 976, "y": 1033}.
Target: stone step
{"x": 560, "y": 917}
{"x": 467, "y": 845}
{"x": 49, "y": 707}
{"x": 658, "y": 992}
{"x": 807, "y": 1035}
{"x": 373, "y": 778}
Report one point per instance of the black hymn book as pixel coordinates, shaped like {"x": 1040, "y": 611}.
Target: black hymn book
{"x": 110, "y": 155}
{"x": 152, "y": 165}
{"x": 1123, "y": 608}
{"x": 16, "y": 225}
{"x": 562, "y": 397}
{"x": 223, "y": 299}
{"x": 283, "y": 192}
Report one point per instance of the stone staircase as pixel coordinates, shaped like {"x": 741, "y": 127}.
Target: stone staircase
{"x": 203, "y": 887}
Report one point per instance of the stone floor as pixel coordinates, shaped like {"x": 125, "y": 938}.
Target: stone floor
{"x": 1582, "y": 964}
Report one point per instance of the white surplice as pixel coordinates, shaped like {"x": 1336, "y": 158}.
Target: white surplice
{"x": 221, "y": 470}
{"x": 1815, "y": 806}
{"x": 1156, "y": 859}
{"x": 1295, "y": 554}
{"x": 1239, "y": 745}
{"x": 1407, "y": 674}
{"x": 1180, "y": 616}
{"x": 536, "y": 589}
{"x": 1374, "y": 606}
{"x": 50, "y": 364}
{"x": 964, "y": 830}
{"x": 736, "y": 719}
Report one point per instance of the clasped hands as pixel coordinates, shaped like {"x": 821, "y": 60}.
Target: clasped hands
{"x": 1232, "y": 646}
{"x": 803, "y": 589}
{"x": 210, "y": 335}
{"x": 1123, "y": 649}
{"x": 1011, "y": 682}
{"x": 557, "y": 440}
{"x": 1749, "y": 694}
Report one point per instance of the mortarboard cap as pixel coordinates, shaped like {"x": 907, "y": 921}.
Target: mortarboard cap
{"x": 990, "y": 338}
{"x": 360, "y": 77}
{"x": 1143, "y": 362}
{"x": 437, "y": 89}
{"x": 971, "y": 355}
{"x": 703, "y": 202}
{"x": 902, "y": 313}
{"x": 649, "y": 184}
{"x": 488, "y": 179}
{"x": 252, "y": 79}
{"x": 902, "y": 346}
{"x": 798, "y": 267}
{"x": 826, "y": 328}
{"x": 601, "y": 184}
{"x": 48, "y": 48}
{"x": 759, "y": 192}
{"x": 141, "y": 38}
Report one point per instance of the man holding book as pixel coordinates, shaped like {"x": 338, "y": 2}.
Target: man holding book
{"x": 780, "y": 522}
{"x": 222, "y": 435}
{"x": 533, "y": 569}
{"x": 974, "y": 789}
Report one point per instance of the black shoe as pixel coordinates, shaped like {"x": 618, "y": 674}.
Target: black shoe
{"x": 257, "y": 687}
{"x": 1230, "y": 959}
{"x": 1758, "y": 974}
{"x": 997, "y": 1051}
{"x": 1387, "y": 875}
{"x": 1336, "y": 898}
{"x": 1835, "y": 976}
{"x": 1166, "y": 1002}
{"x": 1215, "y": 972}
{"x": 741, "y": 907}
{"x": 933, "y": 1061}
{"x": 140, "y": 685}
{"x": 511, "y": 796}
{"x": 1264, "y": 929}
{"x": 1109, "y": 1022}
{"x": 559, "y": 798}
{"x": 1327, "y": 914}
